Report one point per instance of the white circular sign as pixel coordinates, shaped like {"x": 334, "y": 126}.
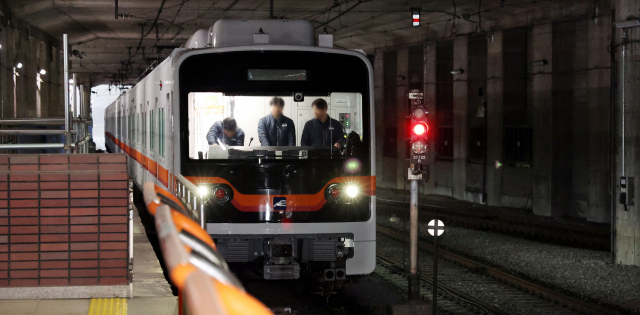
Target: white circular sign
{"x": 432, "y": 227}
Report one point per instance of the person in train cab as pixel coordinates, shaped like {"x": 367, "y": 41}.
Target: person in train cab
{"x": 276, "y": 129}
{"x": 323, "y": 130}
{"x": 226, "y": 132}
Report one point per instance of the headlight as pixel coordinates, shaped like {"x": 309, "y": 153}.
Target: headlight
{"x": 352, "y": 191}
{"x": 203, "y": 191}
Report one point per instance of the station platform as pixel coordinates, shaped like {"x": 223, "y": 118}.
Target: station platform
{"x": 150, "y": 291}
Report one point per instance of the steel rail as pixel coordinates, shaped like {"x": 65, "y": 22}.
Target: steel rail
{"x": 454, "y": 293}
{"x": 586, "y": 307}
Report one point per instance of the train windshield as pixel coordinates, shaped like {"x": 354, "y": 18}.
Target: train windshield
{"x": 290, "y": 126}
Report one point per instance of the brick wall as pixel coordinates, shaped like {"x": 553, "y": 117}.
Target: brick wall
{"x": 63, "y": 220}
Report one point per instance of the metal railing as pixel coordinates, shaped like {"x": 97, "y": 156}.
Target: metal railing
{"x": 71, "y": 127}
{"x": 206, "y": 286}
{"x": 187, "y": 192}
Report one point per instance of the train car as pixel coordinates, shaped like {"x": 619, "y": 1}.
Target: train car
{"x": 307, "y": 206}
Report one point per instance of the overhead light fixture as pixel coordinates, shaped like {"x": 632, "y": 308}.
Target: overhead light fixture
{"x": 43, "y": 72}
{"x": 457, "y": 71}
{"x": 415, "y": 16}
{"x": 542, "y": 62}
{"x": 629, "y": 23}
{"x": 19, "y": 65}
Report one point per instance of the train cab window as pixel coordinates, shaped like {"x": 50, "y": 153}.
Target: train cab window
{"x": 236, "y": 126}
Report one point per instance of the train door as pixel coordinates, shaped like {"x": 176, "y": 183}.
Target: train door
{"x": 129, "y": 137}
{"x": 169, "y": 139}
{"x": 163, "y": 173}
{"x": 144, "y": 147}
{"x": 153, "y": 140}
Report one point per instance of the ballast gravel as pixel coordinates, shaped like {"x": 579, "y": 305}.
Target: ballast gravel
{"x": 582, "y": 273}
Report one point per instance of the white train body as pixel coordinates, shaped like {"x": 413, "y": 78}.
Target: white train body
{"x": 162, "y": 121}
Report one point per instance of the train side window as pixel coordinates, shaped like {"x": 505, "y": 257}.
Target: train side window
{"x": 151, "y": 127}
{"x": 161, "y": 123}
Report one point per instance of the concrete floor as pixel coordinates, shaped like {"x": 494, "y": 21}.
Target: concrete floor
{"x": 151, "y": 292}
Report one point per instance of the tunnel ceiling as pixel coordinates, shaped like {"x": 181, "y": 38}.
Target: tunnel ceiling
{"x": 119, "y": 50}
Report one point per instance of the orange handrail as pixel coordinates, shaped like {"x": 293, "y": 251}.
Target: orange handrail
{"x": 204, "y": 281}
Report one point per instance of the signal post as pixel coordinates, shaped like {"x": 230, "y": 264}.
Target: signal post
{"x": 417, "y": 133}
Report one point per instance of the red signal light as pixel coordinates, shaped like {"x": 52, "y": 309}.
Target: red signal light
{"x": 420, "y": 128}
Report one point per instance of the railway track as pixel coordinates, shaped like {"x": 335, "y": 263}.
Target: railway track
{"x": 590, "y": 236}
{"x": 502, "y": 291}
{"x": 450, "y": 300}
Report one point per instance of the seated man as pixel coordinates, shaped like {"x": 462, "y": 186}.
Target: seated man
{"x": 226, "y": 132}
{"x": 323, "y": 130}
{"x": 276, "y": 129}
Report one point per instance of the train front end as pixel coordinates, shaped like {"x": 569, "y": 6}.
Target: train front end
{"x": 292, "y": 208}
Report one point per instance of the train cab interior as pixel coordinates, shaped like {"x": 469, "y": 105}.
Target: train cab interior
{"x": 207, "y": 108}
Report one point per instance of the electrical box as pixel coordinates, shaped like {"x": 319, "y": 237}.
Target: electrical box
{"x": 627, "y": 188}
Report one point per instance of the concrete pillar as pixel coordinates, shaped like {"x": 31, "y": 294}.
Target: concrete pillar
{"x": 56, "y": 92}
{"x": 627, "y": 225}
{"x": 402, "y": 104}
{"x": 541, "y": 86}
{"x": 460, "y": 121}
{"x": 599, "y": 83}
{"x": 29, "y": 76}
{"x": 8, "y": 62}
{"x": 495, "y": 122}
{"x": 378, "y": 94}
{"x": 430, "y": 101}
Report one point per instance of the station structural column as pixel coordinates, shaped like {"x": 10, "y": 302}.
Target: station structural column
{"x": 626, "y": 219}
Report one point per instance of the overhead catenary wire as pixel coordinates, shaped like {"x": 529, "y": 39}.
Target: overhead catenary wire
{"x": 450, "y": 19}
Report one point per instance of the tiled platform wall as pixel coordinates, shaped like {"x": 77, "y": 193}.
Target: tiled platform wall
{"x": 63, "y": 220}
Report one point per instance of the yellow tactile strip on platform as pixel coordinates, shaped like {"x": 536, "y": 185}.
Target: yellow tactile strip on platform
{"x": 108, "y": 307}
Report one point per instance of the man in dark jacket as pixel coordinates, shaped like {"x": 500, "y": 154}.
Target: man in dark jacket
{"x": 226, "y": 132}
{"x": 323, "y": 130}
{"x": 276, "y": 129}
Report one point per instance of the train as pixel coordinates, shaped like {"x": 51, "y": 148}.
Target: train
{"x": 300, "y": 208}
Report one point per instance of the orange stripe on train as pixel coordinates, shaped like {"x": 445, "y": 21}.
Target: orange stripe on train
{"x": 302, "y": 202}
